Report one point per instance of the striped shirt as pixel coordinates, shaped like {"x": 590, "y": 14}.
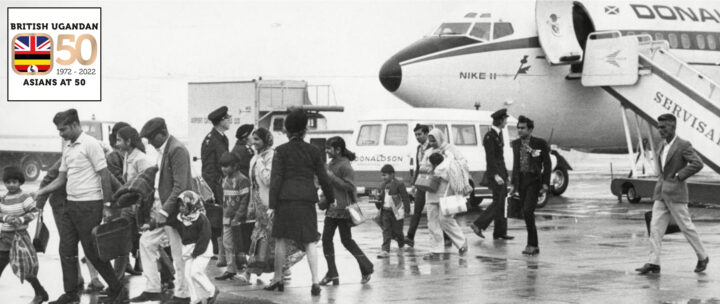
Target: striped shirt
{"x": 20, "y": 205}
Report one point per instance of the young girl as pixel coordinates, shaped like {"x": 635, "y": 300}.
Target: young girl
{"x": 16, "y": 211}
{"x": 195, "y": 234}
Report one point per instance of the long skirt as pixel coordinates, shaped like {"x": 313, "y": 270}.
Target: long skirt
{"x": 262, "y": 245}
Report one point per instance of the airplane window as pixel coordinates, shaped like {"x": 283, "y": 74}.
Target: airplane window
{"x": 685, "y": 40}
{"x": 672, "y": 38}
{"x": 452, "y": 29}
{"x": 483, "y": 130}
{"x": 502, "y": 29}
{"x": 711, "y": 42}
{"x": 396, "y": 135}
{"x": 481, "y": 30}
{"x": 464, "y": 135}
{"x": 369, "y": 135}
{"x": 659, "y": 36}
{"x": 700, "y": 41}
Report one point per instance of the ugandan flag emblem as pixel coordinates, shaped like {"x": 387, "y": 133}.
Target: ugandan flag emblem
{"x": 32, "y": 54}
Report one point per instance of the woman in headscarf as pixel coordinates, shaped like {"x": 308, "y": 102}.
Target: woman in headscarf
{"x": 439, "y": 160}
{"x": 293, "y": 196}
{"x": 262, "y": 246}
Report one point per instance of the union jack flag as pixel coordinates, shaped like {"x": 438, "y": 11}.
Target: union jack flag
{"x": 32, "y": 54}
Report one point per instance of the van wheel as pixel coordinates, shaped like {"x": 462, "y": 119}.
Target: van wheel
{"x": 31, "y": 168}
{"x": 559, "y": 181}
{"x": 632, "y": 196}
{"x": 543, "y": 199}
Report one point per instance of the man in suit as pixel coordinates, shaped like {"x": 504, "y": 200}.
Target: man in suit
{"x": 496, "y": 176}
{"x": 676, "y": 162}
{"x": 174, "y": 178}
{"x": 530, "y": 175}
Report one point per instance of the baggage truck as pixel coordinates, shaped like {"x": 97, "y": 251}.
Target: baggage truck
{"x": 263, "y": 103}
{"x": 36, "y": 150}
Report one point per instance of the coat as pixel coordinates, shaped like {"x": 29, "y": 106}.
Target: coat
{"x": 261, "y": 167}
{"x": 540, "y": 163}
{"x": 396, "y": 189}
{"x": 294, "y": 167}
{"x": 174, "y": 177}
{"x": 213, "y": 147}
{"x": 494, "y": 159}
{"x": 681, "y": 163}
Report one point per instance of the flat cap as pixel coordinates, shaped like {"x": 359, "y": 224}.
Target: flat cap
{"x": 244, "y": 131}
{"x": 218, "y": 115}
{"x": 152, "y": 127}
{"x": 296, "y": 121}
{"x": 499, "y": 114}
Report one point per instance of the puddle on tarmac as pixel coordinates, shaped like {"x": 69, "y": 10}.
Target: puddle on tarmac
{"x": 693, "y": 301}
{"x": 550, "y": 228}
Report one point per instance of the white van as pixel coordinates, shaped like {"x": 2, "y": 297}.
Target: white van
{"x": 387, "y": 138}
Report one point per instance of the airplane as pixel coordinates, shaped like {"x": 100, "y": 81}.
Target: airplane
{"x": 527, "y": 56}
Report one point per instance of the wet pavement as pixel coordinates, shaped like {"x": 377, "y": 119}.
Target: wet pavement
{"x": 590, "y": 245}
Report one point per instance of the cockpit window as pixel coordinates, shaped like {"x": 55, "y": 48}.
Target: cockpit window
{"x": 452, "y": 29}
{"x": 502, "y": 29}
{"x": 481, "y": 30}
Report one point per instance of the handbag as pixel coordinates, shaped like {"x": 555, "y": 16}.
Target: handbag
{"x": 452, "y": 204}
{"x": 356, "y": 214}
{"x": 427, "y": 182}
{"x": 513, "y": 207}
{"x": 23, "y": 259}
{"x": 42, "y": 235}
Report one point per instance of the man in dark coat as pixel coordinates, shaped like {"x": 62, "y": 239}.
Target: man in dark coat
{"x": 496, "y": 176}
{"x": 530, "y": 175}
{"x": 213, "y": 147}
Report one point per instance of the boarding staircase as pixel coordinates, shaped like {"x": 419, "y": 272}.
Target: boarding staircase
{"x": 647, "y": 78}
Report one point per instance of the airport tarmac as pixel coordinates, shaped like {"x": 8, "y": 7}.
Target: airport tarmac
{"x": 590, "y": 245}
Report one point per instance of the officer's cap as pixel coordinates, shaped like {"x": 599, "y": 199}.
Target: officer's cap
{"x": 218, "y": 115}
{"x": 244, "y": 131}
{"x": 499, "y": 114}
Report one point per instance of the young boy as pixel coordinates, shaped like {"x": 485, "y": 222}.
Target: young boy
{"x": 238, "y": 220}
{"x": 394, "y": 203}
{"x": 195, "y": 234}
{"x": 17, "y": 209}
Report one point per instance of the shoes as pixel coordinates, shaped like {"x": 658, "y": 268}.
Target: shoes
{"x": 648, "y": 268}
{"x": 211, "y": 300}
{"x": 410, "y": 242}
{"x": 702, "y": 264}
{"x": 221, "y": 264}
{"x": 531, "y": 250}
{"x": 504, "y": 237}
{"x": 67, "y": 298}
{"x": 94, "y": 286}
{"x": 477, "y": 230}
{"x": 463, "y": 250}
{"x": 226, "y": 276}
{"x": 384, "y": 254}
{"x": 176, "y": 300}
{"x": 42, "y": 295}
{"x": 365, "y": 278}
{"x": 315, "y": 290}
{"x": 327, "y": 279}
{"x": 214, "y": 257}
{"x": 147, "y": 296}
{"x": 279, "y": 285}
{"x": 38, "y": 299}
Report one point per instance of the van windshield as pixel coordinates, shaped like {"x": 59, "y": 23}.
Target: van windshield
{"x": 396, "y": 135}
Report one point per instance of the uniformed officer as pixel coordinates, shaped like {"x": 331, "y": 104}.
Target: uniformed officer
{"x": 214, "y": 145}
{"x": 242, "y": 148}
{"x": 496, "y": 177}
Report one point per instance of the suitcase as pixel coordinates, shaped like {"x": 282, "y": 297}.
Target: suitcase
{"x": 513, "y": 208}
{"x": 113, "y": 239}
{"x": 427, "y": 182}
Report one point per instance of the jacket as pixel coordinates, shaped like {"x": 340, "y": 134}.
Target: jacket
{"x": 494, "y": 159}
{"x": 342, "y": 180}
{"x": 294, "y": 167}
{"x": 681, "y": 163}
{"x": 197, "y": 233}
{"x": 396, "y": 189}
{"x": 261, "y": 167}
{"x": 174, "y": 177}
{"x": 213, "y": 147}
{"x": 540, "y": 164}
{"x": 236, "y": 199}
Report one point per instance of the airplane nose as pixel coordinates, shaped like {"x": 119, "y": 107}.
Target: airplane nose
{"x": 391, "y": 74}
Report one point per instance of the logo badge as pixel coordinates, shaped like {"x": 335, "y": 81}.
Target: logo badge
{"x": 612, "y": 10}
{"x": 32, "y": 54}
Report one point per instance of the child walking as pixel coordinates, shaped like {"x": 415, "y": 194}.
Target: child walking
{"x": 17, "y": 209}
{"x": 394, "y": 204}
{"x": 195, "y": 234}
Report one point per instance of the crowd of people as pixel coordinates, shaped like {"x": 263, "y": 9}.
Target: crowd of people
{"x": 254, "y": 209}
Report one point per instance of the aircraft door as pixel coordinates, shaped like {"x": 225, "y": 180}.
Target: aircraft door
{"x": 556, "y": 32}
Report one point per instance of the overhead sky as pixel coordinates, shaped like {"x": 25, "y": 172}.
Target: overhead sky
{"x": 152, "y": 49}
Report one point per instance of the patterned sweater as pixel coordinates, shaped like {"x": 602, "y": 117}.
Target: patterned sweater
{"x": 20, "y": 205}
